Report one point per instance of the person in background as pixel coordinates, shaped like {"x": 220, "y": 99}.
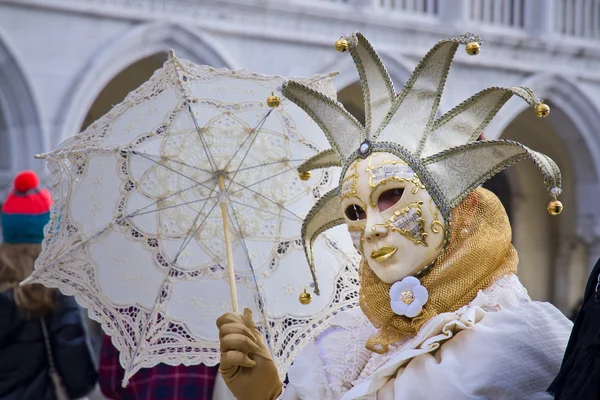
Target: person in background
{"x": 162, "y": 382}
{"x": 575, "y": 310}
{"x": 44, "y": 351}
{"x": 579, "y": 376}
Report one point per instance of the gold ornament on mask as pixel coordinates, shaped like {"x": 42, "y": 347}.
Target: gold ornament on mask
{"x": 542, "y": 110}
{"x": 304, "y": 176}
{"x": 555, "y": 207}
{"x": 391, "y": 171}
{"x": 349, "y": 188}
{"x": 341, "y": 45}
{"x": 473, "y": 48}
{"x": 436, "y": 225}
{"x": 305, "y": 297}
{"x": 273, "y": 101}
{"x": 409, "y": 223}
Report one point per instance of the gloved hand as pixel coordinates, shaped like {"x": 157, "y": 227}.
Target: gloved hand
{"x": 246, "y": 364}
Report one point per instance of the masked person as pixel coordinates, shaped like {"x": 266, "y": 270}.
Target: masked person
{"x": 442, "y": 314}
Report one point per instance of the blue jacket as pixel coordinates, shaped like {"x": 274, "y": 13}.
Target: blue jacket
{"x": 23, "y": 357}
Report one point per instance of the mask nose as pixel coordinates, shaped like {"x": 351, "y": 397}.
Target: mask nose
{"x": 378, "y": 230}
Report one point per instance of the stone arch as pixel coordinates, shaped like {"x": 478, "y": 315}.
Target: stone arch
{"x": 140, "y": 42}
{"x": 551, "y": 248}
{"x": 20, "y": 118}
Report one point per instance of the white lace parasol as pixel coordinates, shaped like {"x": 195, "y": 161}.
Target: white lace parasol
{"x": 136, "y": 233}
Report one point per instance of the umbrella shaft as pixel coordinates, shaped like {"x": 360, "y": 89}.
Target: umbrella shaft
{"x": 228, "y": 248}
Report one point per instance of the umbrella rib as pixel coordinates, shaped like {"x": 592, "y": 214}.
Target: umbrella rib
{"x": 189, "y": 235}
{"x": 247, "y": 252}
{"x": 137, "y": 214}
{"x": 266, "y": 198}
{"x": 262, "y": 180}
{"x": 173, "y": 160}
{"x": 173, "y": 170}
{"x": 272, "y": 163}
{"x": 211, "y": 161}
{"x": 265, "y": 211}
{"x": 255, "y": 131}
{"x": 258, "y": 126}
{"x": 133, "y": 214}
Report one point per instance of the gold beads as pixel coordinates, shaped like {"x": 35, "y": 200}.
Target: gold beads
{"x": 542, "y": 110}
{"x": 341, "y": 45}
{"x": 273, "y": 101}
{"x": 473, "y": 48}
{"x": 305, "y": 297}
{"x": 555, "y": 207}
{"x": 304, "y": 176}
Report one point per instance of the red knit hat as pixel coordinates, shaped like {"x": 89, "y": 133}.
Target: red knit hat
{"x": 26, "y": 210}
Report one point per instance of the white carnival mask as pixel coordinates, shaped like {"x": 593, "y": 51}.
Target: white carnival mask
{"x": 392, "y": 219}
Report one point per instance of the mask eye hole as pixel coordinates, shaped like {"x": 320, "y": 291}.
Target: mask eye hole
{"x": 389, "y": 198}
{"x": 355, "y": 212}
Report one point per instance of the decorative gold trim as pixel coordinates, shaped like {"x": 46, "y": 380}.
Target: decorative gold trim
{"x": 436, "y": 224}
{"x": 370, "y": 169}
{"x": 422, "y": 236}
{"x": 353, "y": 176}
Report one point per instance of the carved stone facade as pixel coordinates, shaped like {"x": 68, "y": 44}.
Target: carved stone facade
{"x": 57, "y": 57}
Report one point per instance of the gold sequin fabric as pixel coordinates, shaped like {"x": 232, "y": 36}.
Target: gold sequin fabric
{"x": 479, "y": 252}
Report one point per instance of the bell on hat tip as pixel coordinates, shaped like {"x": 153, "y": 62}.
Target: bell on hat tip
{"x": 542, "y": 110}
{"x": 341, "y": 45}
{"x": 304, "y": 176}
{"x": 472, "y": 48}
{"x": 555, "y": 207}
{"x": 273, "y": 101}
{"x": 305, "y": 297}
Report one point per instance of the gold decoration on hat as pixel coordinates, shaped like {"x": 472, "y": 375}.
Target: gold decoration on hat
{"x": 304, "y": 176}
{"x": 472, "y": 48}
{"x": 273, "y": 101}
{"x": 341, "y": 45}
{"x": 542, "y": 110}
{"x": 555, "y": 207}
{"x": 305, "y": 297}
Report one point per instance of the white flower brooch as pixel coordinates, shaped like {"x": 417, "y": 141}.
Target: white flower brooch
{"x": 408, "y": 296}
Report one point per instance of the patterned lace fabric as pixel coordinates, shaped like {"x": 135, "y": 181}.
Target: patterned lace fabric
{"x": 136, "y": 232}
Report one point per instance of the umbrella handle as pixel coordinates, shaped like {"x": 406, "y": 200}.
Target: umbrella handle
{"x": 228, "y": 247}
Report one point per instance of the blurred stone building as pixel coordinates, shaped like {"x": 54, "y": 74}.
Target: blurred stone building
{"x": 64, "y": 63}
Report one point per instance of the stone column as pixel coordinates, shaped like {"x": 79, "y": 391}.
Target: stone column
{"x": 453, "y": 11}
{"x": 537, "y": 16}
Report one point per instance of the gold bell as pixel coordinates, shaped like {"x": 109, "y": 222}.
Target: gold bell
{"x": 273, "y": 101}
{"x": 341, "y": 45}
{"x": 473, "y": 48}
{"x": 304, "y": 176}
{"x": 305, "y": 297}
{"x": 555, "y": 207}
{"x": 542, "y": 110}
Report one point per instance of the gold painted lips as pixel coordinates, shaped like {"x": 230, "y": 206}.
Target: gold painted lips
{"x": 383, "y": 253}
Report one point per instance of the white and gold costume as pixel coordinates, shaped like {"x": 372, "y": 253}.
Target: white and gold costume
{"x": 442, "y": 313}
